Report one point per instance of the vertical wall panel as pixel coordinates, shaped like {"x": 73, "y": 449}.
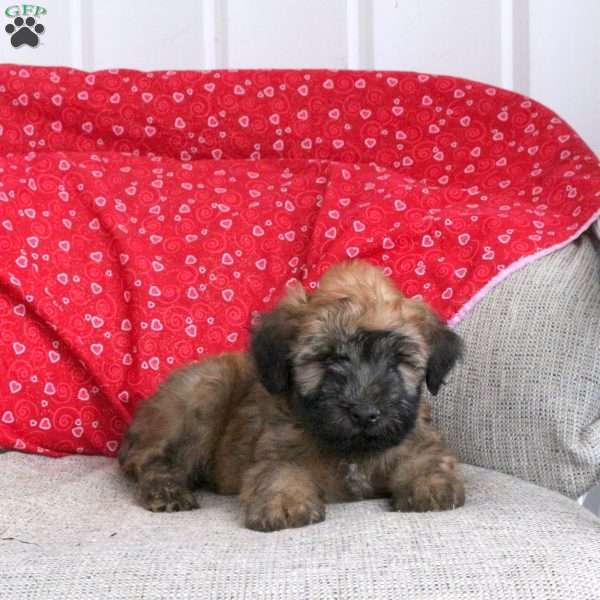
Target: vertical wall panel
{"x": 439, "y": 36}
{"x": 565, "y": 62}
{"x": 286, "y": 33}
{"x": 147, "y": 34}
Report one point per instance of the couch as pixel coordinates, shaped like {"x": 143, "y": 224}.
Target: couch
{"x": 94, "y": 312}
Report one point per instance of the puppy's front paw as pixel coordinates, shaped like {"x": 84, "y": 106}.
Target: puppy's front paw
{"x": 283, "y": 512}
{"x": 167, "y": 496}
{"x": 436, "y": 491}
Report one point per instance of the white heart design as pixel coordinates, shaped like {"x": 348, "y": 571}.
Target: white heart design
{"x": 352, "y": 251}
{"x": 97, "y": 349}
{"x": 427, "y": 242}
{"x": 19, "y": 348}
{"x": 191, "y": 330}
{"x": 463, "y": 239}
{"x": 112, "y": 446}
{"x": 83, "y": 394}
{"x": 8, "y": 417}
{"x": 97, "y": 322}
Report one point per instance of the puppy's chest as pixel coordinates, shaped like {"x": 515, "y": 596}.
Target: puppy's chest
{"x": 355, "y": 481}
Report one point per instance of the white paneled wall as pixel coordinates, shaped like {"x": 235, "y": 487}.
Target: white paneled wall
{"x": 549, "y": 49}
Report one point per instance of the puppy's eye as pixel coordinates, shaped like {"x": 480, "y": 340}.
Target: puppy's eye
{"x": 337, "y": 359}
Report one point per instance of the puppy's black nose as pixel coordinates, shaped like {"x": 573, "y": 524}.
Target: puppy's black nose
{"x": 365, "y": 415}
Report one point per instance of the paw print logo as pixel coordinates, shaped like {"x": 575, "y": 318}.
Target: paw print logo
{"x": 24, "y": 32}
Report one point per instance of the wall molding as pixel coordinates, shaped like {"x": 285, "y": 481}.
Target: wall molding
{"x": 514, "y": 45}
{"x": 81, "y": 32}
{"x": 214, "y": 33}
{"x": 359, "y": 34}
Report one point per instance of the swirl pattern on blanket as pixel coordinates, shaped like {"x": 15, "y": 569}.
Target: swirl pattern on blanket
{"x": 146, "y": 217}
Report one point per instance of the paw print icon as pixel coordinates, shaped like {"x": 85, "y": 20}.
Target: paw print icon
{"x": 24, "y": 31}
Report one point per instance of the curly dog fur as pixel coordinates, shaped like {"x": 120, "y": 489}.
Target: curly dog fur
{"x": 326, "y": 406}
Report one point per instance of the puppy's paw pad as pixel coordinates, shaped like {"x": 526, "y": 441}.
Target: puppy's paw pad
{"x": 168, "y": 499}
{"x": 440, "y": 491}
{"x": 283, "y": 514}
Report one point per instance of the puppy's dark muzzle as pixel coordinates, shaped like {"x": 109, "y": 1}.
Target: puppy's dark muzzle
{"x": 365, "y": 415}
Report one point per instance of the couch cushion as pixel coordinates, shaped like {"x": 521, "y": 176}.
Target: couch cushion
{"x": 70, "y": 529}
{"x": 526, "y": 399}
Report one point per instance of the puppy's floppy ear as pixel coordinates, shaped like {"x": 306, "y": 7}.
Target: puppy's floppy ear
{"x": 271, "y": 341}
{"x": 445, "y": 348}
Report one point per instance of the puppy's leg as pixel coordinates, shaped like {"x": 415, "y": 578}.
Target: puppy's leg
{"x": 425, "y": 475}
{"x": 278, "y": 495}
{"x": 170, "y": 445}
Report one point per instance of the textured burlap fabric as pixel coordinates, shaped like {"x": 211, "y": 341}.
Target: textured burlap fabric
{"x": 526, "y": 399}
{"x": 71, "y": 530}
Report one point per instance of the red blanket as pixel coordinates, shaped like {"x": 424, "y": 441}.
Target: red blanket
{"x": 144, "y": 217}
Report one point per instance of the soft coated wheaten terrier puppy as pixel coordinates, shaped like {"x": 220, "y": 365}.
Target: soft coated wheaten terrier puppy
{"x": 326, "y": 406}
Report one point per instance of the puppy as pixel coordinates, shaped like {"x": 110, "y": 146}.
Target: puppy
{"x": 327, "y": 406}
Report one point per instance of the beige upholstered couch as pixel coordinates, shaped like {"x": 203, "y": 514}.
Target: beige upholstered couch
{"x": 524, "y": 407}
